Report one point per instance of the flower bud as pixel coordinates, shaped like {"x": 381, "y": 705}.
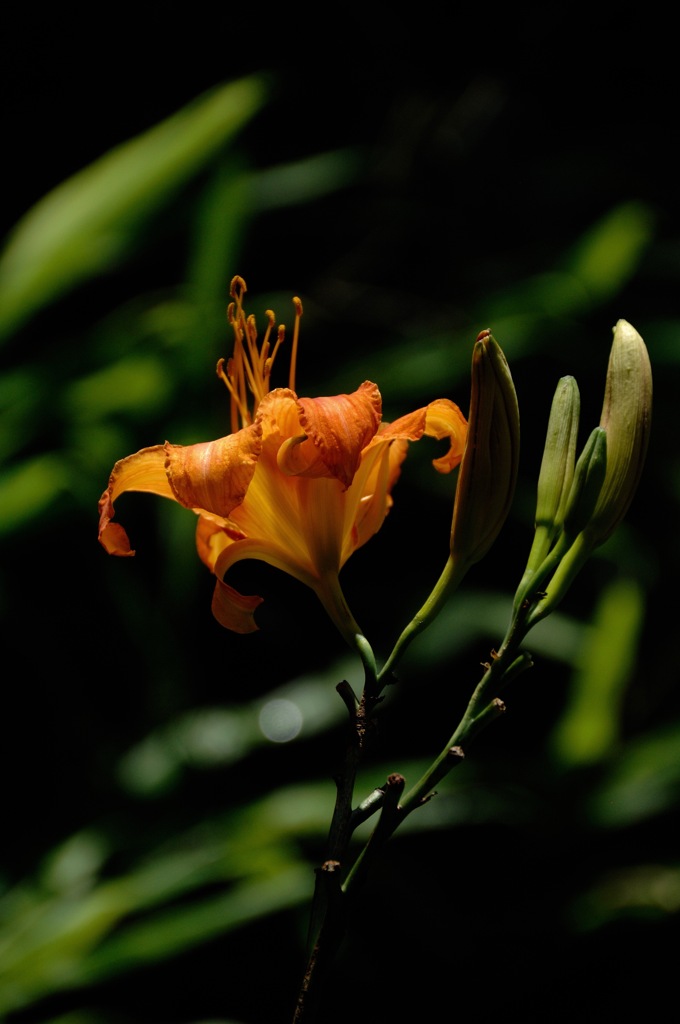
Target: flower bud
{"x": 589, "y": 477}
{"x": 626, "y": 417}
{"x": 486, "y": 481}
{"x": 557, "y": 472}
{"x": 488, "y": 471}
{"x": 559, "y": 454}
{"x": 609, "y": 469}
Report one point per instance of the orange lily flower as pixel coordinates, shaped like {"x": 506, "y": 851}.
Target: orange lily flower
{"x": 300, "y": 483}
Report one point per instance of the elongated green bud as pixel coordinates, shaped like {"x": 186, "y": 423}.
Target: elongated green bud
{"x": 626, "y": 417}
{"x": 589, "y": 477}
{"x": 488, "y": 471}
{"x": 556, "y": 474}
{"x": 574, "y": 547}
{"x": 559, "y": 456}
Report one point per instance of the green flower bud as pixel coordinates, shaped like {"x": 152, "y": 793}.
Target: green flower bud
{"x": 488, "y": 471}
{"x": 557, "y": 471}
{"x": 559, "y": 455}
{"x": 626, "y": 417}
{"x": 589, "y": 477}
{"x": 486, "y": 481}
{"x": 604, "y": 484}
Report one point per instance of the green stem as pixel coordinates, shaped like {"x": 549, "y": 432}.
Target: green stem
{"x": 483, "y": 708}
{"x": 445, "y": 585}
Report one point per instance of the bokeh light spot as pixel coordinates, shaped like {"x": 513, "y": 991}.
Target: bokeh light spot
{"x": 280, "y": 720}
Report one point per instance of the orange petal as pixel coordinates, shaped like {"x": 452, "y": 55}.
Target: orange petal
{"x": 298, "y": 456}
{"x": 214, "y": 475}
{"x": 220, "y": 545}
{"x": 367, "y": 499}
{"x": 376, "y": 500}
{"x": 279, "y": 414}
{"x": 228, "y": 552}
{"x": 340, "y": 428}
{"x": 144, "y": 471}
{"x": 233, "y": 610}
{"x": 444, "y": 419}
{"x": 440, "y": 419}
{"x": 212, "y": 536}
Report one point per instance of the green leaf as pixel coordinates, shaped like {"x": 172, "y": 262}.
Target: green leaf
{"x": 589, "y": 728}
{"x": 30, "y": 488}
{"x": 609, "y": 253}
{"x": 642, "y": 782}
{"x": 82, "y": 227}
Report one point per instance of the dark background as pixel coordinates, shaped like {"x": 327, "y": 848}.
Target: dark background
{"x": 473, "y": 156}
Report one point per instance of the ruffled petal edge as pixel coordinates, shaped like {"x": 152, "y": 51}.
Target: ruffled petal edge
{"x": 214, "y": 475}
{"x": 341, "y": 427}
{"x": 144, "y": 471}
{"x": 440, "y": 419}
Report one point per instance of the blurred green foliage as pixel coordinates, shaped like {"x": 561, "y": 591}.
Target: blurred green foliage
{"x": 176, "y": 821}
{"x": 86, "y": 224}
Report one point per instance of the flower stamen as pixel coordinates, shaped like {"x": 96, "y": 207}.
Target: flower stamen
{"x": 249, "y": 368}
{"x": 296, "y": 334}
{"x": 270, "y": 361}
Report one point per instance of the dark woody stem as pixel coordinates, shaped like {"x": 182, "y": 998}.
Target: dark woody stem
{"x": 335, "y": 900}
{"x": 483, "y": 709}
{"x": 328, "y": 917}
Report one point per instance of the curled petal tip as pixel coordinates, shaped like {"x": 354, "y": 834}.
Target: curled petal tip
{"x": 112, "y": 536}
{"x": 234, "y": 611}
{"x": 115, "y": 540}
{"x": 144, "y": 471}
{"x": 441, "y": 419}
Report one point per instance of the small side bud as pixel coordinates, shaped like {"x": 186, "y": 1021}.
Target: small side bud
{"x": 589, "y": 477}
{"x": 488, "y": 471}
